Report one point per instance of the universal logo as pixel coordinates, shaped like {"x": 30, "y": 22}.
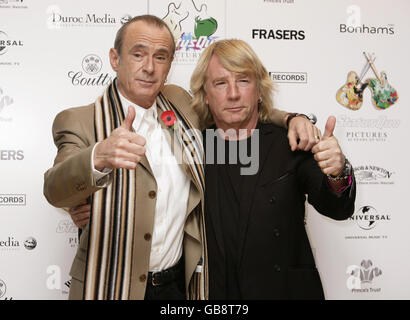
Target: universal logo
{"x": 13, "y": 4}
{"x": 5, "y": 101}
{"x": 367, "y": 217}
{"x": 361, "y": 278}
{"x": 369, "y": 174}
{"x": 6, "y": 42}
{"x": 90, "y": 76}
{"x": 12, "y": 244}
{"x": 12, "y": 199}
{"x": 193, "y": 26}
{"x": 288, "y": 77}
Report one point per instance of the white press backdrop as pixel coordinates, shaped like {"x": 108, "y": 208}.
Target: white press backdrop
{"x": 54, "y": 55}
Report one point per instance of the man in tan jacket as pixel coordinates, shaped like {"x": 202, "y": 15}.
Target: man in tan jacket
{"x": 145, "y": 238}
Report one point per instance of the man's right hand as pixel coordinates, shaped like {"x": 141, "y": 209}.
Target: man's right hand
{"x": 122, "y": 149}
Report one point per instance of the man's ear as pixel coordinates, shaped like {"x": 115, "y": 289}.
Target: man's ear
{"x": 114, "y": 59}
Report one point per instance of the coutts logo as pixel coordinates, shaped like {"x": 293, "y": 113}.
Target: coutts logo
{"x": 278, "y": 34}
{"x": 91, "y": 65}
{"x": 364, "y": 29}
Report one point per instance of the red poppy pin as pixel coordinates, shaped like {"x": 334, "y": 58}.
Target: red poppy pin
{"x": 169, "y": 118}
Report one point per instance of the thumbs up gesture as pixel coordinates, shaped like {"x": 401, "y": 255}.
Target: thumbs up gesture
{"x": 327, "y": 151}
{"x": 122, "y": 149}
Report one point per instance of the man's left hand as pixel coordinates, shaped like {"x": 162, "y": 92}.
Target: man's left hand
{"x": 327, "y": 151}
{"x": 302, "y": 134}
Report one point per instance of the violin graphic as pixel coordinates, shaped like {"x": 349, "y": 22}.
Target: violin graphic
{"x": 383, "y": 94}
{"x": 350, "y": 95}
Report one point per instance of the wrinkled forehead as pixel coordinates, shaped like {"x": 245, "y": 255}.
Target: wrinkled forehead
{"x": 143, "y": 33}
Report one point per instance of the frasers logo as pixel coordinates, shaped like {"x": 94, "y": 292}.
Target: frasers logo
{"x": 193, "y": 28}
{"x": 12, "y": 199}
{"x": 91, "y": 74}
{"x": 6, "y": 42}
{"x": 369, "y": 174}
{"x": 367, "y": 217}
{"x": 278, "y": 34}
{"x": 365, "y": 29}
{"x": 288, "y": 77}
{"x": 11, "y": 155}
{"x": 361, "y": 278}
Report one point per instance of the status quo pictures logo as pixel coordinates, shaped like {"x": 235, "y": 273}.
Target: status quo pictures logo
{"x": 362, "y": 278}
{"x": 12, "y": 244}
{"x": 369, "y": 174}
{"x": 5, "y": 102}
{"x": 193, "y": 27}
{"x": 288, "y": 77}
{"x": 91, "y": 74}
{"x": 58, "y": 19}
{"x": 382, "y": 96}
{"x": 13, "y": 4}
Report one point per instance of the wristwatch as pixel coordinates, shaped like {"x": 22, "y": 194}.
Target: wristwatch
{"x": 292, "y": 115}
{"x": 345, "y": 173}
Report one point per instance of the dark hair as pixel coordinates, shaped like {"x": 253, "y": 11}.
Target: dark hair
{"x": 148, "y": 19}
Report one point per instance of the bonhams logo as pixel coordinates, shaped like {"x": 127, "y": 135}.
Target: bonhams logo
{"x": 366, "y": 29}
{"x": 91, "y": 75}
{"x": 361, "y": 277}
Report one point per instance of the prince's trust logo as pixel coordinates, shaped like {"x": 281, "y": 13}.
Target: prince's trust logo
{"x": 361, "y": 278}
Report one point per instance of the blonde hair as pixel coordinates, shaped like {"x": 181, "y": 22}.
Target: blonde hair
{"x": 235, "y": 56}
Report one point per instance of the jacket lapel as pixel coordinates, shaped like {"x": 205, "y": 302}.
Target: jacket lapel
{"x": 249, "y": 183}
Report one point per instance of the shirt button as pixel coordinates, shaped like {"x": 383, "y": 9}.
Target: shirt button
{"x": 272, "y": 200}
{"x": 152, "y": 194}
{"x": 143, "y": 277}
{"x": 147, "y": 236}
{"x": 276, "y": 268}
{"x": 276, "y": 233}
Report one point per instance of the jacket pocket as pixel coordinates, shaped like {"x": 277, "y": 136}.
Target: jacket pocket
{"x": 304, "y": 284}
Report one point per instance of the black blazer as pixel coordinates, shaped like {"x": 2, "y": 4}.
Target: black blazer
{"x": 276, "y": 260}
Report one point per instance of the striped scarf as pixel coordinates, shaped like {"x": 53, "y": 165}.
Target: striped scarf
{"x": 109, "y": 257}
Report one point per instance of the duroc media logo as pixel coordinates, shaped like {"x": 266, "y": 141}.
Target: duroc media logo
{"x": 6, "y": 42}
{"x": 361, "y": 277}
{"x": 91, "y": 74}
{"x": 3, "y": 288}
{"x": 367, "y": 217}
{"x": 30, "y": 243}
{"x": 193, "y": 28}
